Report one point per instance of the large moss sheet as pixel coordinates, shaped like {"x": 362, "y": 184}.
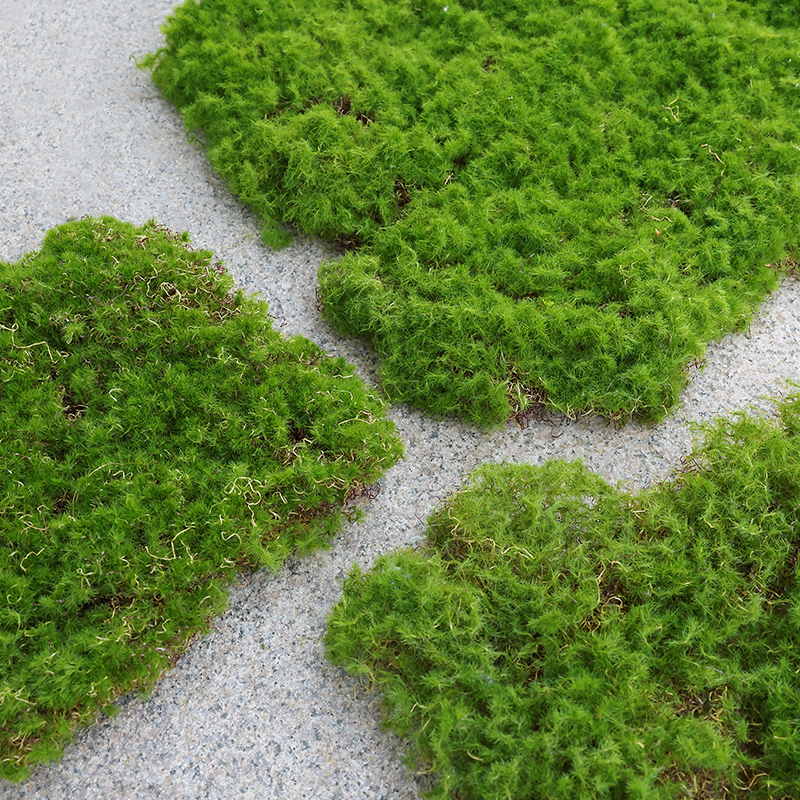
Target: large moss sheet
{"x": 541, "y": 202}
{"x": 157, "y": 437}
{"x": 560, "y": 639}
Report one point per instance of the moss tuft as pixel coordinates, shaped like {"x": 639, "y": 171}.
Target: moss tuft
{"x": 157, "y": 437}
{"x": 569, "y": 198}
{"x": 562, "y": 639}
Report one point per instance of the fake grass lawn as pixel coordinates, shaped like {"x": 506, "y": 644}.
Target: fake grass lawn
{"x": 559, "y": 638}
{"x": 157, "y": 437}
{"x": 555, "y": 203}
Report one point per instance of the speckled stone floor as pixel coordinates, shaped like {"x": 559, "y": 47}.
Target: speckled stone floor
{"x": 254, "y": 710}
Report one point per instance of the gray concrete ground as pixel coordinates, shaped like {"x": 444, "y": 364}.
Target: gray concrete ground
{"x": 254, "y": 710}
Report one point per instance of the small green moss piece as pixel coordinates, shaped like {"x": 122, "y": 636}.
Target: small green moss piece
{"x": 561, "y": 639}
{"x": 157, "y": 437}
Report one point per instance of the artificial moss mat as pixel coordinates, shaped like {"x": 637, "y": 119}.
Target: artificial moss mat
{"x": 157, "y": 437}
{"x": 545, "y": 202}
{"x": 559, "y": 639}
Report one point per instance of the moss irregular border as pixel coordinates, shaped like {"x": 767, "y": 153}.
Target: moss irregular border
{"x": 545, "y": 203}
{"x": 561, "y": 639}
{"x": 157, "y": 436}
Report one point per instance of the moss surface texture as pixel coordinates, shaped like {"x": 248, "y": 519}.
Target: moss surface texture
{"x": 563, "y": 640}
{"x": 157, "y": 437}
{"x": 555, "y": 203}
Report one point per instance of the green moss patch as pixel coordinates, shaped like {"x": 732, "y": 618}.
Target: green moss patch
{"x": 562, "y": 639}
{"x": 544, "y": 202}
{"x": 156, "y": 436}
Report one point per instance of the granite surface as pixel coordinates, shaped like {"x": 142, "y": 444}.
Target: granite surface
{"x": 254, "y": 710}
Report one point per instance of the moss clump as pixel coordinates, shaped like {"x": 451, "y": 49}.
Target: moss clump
{"x": 561, "y": 639}
{"x": 156, "y": 437}
{"x": 556, "y": 202}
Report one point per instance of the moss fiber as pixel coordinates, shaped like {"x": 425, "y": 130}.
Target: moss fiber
{"x": 562, "y": 640}
{"x": 157, "y": 436}
{"x": 542, "y": 202}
